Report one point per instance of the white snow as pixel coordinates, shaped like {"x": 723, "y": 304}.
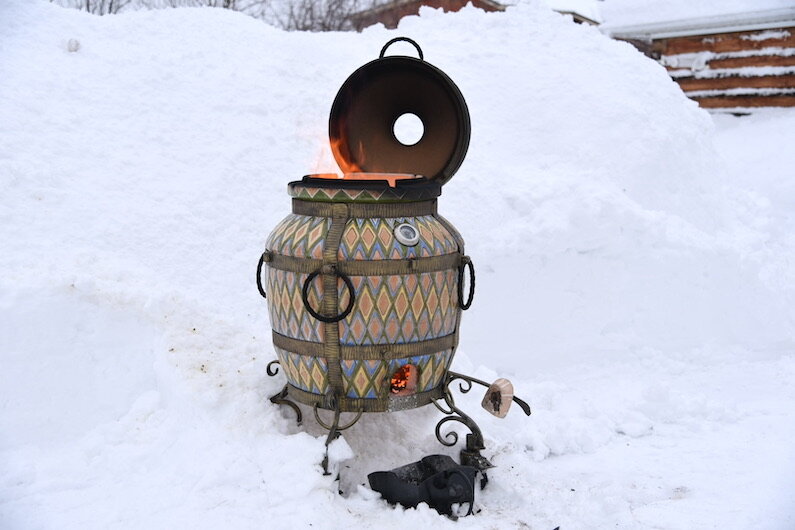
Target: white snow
{"x": 586, "y": 8}
{"x": 767, "y": 35}
{"x": 630, "y": 12}
{"x": 635, "y": 267}
{"x": 741, "y": 91}
{"x": 688, "y": 58}
{"x": 697, "y": 61}
{"x": 745, "y": 71}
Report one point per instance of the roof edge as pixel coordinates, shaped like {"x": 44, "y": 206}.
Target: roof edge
{"x": 747, "y": 21}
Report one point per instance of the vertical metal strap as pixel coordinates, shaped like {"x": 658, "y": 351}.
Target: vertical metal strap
{"x": 331, "y": 344}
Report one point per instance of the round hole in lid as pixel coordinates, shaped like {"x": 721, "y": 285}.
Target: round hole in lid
{"x": 408, "y": 129}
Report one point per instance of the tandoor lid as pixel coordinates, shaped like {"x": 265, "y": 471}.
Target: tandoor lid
{"x": 370, "y": 124}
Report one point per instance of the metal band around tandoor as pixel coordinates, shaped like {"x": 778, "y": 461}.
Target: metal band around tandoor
{"x": 384, "y": 267}
{"x": 362, "y": 210}
{"x": 382, "y": 404}
{"x": 331, "y": 344}
{"x": 369, "y": 351}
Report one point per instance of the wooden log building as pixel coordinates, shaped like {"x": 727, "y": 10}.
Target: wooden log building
{"x": 389, "y": 14}
{"x": 731, "y": 63}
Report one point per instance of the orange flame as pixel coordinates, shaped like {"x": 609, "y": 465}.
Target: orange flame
{"x": 404, "y": 380}
{"x": 351, "y": 165}
{"x": 339, "y": 147}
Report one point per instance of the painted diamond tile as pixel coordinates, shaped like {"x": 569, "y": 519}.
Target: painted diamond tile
{"x": 363, "y": 378}
{"x": 375, "y": 330}
{"x": 401, "y": 303}
{"x": 417, "y": 303}
{"x": 392, "y": 327}
{"x": 424, "y": 325}
{"x": 366, "y": 304}
{"x": 436, "y": 323}
{"x": 319, "y": 376}
{"x": 361, "y": 382}
{"x": 407, "y": 328}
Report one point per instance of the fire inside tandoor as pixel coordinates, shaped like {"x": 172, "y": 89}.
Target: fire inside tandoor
{"x": 365, "y": 281}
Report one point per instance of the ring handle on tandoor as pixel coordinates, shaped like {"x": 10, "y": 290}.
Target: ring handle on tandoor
{"x": 323, "y": 318}
{"x": 466, "y": 262}
{"x": 404, "y": 39}
{"x": 266, "y": 256}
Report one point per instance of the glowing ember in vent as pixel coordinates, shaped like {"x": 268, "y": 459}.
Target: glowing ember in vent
{"x": 404, "y": 380}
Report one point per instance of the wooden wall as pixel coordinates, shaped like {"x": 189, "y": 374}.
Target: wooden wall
{"x": 744, "y": 69}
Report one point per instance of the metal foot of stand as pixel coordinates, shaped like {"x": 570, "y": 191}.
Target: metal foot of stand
{"x": 334, "y": 429}
{"x": 470, "y": 455}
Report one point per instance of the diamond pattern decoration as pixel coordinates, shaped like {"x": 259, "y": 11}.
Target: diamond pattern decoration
{"x": 372, "y": 238}
{"x": 304, "y": 372}
{"x": 300, "y": 236}
{"x": 287, "y": 313}
{"x": 384, "y": 313}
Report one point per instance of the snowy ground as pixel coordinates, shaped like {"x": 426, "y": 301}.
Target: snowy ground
{"x": 635, "y": 257}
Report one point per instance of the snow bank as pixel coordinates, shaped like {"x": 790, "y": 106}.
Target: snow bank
{"x": 143, "y": 172}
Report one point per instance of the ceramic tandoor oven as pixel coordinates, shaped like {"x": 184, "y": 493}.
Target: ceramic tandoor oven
{"x": 365, "y": 281}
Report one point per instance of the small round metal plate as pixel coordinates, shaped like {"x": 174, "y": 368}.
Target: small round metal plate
{"x": 407, "y": 234}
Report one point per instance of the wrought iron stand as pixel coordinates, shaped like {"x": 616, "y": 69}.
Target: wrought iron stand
{"x": 470, "y": 455}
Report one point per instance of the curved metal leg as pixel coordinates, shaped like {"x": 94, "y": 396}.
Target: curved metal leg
{"x": 334, "y": 429}
{"x": 470, "y": 455}
{"x": 280, "y": 398}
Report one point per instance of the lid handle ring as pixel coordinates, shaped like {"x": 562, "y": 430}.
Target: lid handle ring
{"x": 398, "y": 39}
